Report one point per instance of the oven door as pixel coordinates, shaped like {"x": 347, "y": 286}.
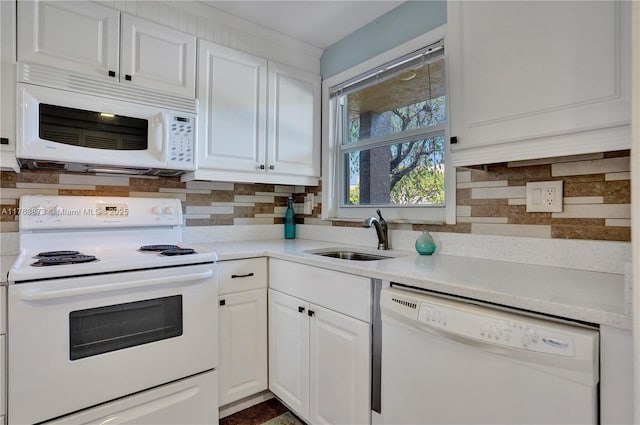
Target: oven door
{"x": 78, "y": 342}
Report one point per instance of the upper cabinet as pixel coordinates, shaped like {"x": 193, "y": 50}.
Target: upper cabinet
{"x": 258, "y": 121}
{"x": 294, "y": 121}
{"x": 7, "y": 86}
{"x": 530, "y": 79}
{"x": 92, "y": 39}
{"x": 232, "y": 88}
{"x": 157, "y": 57}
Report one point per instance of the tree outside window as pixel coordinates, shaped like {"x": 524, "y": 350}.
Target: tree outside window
{"x": 393, "y": 140}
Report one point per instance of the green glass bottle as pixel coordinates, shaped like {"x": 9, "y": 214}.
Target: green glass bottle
{"x": 290, "y": 221}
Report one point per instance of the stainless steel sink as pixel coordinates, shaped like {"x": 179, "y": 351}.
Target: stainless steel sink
{"x": 352, "y": 255}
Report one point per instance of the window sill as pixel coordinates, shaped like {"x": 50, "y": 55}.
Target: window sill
{"x": 390, "y": 221}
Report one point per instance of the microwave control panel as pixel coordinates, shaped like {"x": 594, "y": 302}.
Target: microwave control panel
{"x": 181, "y": 141}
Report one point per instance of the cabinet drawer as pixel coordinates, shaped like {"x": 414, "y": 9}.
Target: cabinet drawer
{"x": 242, "y": 275}
{"x": 341, "y": 292}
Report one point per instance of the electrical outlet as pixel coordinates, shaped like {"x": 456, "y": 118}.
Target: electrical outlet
{"x": 544, "y": 196}
{"x": 308, "y": 204}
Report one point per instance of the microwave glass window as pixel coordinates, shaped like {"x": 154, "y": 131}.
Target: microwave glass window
{"x": 103, "y": 329}
{"x": 98, "y": 130}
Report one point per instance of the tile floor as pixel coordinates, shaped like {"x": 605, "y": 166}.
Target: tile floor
{"x": 256, "y": 415}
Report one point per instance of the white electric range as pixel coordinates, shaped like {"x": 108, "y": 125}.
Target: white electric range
{"x": 111, "y": 317}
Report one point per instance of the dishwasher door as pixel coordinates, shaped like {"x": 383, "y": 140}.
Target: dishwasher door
{"x": 450, "y": 362}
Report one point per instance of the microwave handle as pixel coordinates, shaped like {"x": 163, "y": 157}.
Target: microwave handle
{"x": 35, "y": 295}
{"x": 163, "y": 136}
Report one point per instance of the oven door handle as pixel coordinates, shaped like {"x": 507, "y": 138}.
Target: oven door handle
{"x": 35, "y": 295}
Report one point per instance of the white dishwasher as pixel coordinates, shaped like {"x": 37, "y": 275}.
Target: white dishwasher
{"x": 451, "y": 362}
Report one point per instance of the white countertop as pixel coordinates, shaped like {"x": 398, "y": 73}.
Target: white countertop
{"x": 587, "y": 296}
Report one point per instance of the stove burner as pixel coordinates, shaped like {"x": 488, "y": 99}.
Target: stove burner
{"x": 64, "y": 259}
{"x": 178, "y": 251}
{"x": 56, "y": 254}
{"x": 159, "y": 247}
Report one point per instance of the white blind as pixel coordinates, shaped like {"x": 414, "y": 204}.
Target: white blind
{"x": 389, "y": 70}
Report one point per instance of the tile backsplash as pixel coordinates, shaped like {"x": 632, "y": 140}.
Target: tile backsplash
{"x": 204, "y": 203}
{"x": 490, "y": 198}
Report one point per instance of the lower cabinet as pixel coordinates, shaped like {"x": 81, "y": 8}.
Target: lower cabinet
{"x": 242, "y": 318}
{"x": 319, "y": 359}
{"x": 3, "y": 353}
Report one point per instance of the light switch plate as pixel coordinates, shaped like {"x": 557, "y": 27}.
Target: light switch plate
{"x": 544, "y": 196}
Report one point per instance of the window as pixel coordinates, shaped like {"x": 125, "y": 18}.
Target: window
{"x": 388, "y": 132}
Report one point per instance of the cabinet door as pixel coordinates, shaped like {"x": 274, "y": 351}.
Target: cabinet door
{"x": 157, "y": 57}
{"x": 232, "y": 91}
{"x": 76, "y": 36}
{"x": 289, "y": 351}
{"x": 340, "y": 369}
{"x": 243, "y": 345}
{"x": 7, "y": 80}
{"x": 528, "y": 79}
{"x": 294, "y": 121}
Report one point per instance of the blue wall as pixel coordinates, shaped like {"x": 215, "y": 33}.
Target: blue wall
{"x": 395, "y": 27}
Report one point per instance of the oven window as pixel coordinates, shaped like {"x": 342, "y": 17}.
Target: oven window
{"x": 103, "y": 329}
{"x": 98, "y": 130}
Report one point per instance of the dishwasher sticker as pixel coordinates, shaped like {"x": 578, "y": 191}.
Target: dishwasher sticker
{"x": 554, "y": 342}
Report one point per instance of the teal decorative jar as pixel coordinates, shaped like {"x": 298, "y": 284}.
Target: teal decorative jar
{"x": 425, "y": 244}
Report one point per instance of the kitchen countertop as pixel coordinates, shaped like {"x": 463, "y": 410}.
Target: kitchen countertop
{"x": 586, "y": 296}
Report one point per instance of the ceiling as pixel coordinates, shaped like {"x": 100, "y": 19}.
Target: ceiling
{"x": 319, "y": 23}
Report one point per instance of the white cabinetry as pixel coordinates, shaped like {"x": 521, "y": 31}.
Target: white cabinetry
{"x": 537, "y": 79}
{"x": 259, "y": 120}
{"x": 320, "y": 343}
{"x": 232, "y": 88}
{"x": 616, "y": 381}
{"x": 294, "y": 121}
{"x": 242, "y": 296}
{"x": 3, "y": 353}
{"x": 7, "y": 86}
{"x": 86, "y": 37}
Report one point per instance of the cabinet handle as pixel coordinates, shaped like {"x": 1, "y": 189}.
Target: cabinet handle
{"x": 261, "y": 167}
{"x": 223, "y": 302}
{"x": 234, "y": 276}
{"x": 272, "y": 167}
{"x": 453, "y": 140}
{"x": 300, "y": 309}
{"x": 311, "y": 313}
{"x": 112, "y": 73}
{"x": 127, "y": 77}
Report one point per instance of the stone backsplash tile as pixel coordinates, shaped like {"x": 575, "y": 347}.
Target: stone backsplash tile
{"x": 596, "y": 196}
{"x": 490, "y": 198}
{"x": 204, "y": 203}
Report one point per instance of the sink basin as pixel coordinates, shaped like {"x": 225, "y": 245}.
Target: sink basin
{"x": 352, "y": 255}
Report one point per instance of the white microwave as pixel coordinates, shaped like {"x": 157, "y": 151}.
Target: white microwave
{"x": 65, "y": 130}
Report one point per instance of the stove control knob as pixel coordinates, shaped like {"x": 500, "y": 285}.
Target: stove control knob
{"x": 156, "y": 210}
{"x": 169, "y": 210}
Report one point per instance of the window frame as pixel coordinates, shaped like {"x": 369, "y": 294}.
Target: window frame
{"x": 331, "y": 150}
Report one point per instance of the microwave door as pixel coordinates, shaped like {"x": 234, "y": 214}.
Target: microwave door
{"x": 75, "y": 128}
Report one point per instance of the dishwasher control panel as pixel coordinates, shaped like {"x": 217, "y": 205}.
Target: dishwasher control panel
{"x": 485, "y": 327}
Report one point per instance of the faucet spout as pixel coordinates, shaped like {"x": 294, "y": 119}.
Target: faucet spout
{"x": 382, "y": 230}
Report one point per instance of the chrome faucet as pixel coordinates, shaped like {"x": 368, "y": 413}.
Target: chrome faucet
{"x": 381, "y": 229}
